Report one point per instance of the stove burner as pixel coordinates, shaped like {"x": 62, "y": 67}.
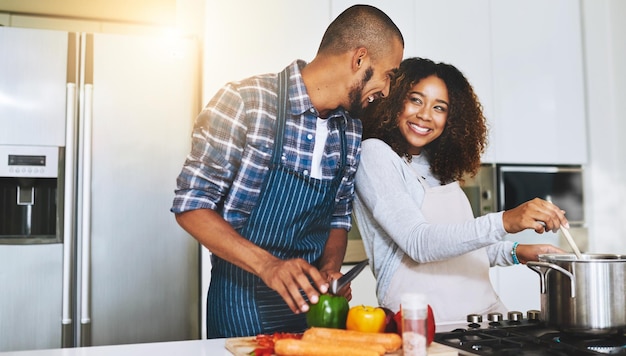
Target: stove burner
{"x": 613, "y": 344}
{"x": 506, "y": 341}
{"x": 609, "y": 350}
{"x": 530, "y": 336}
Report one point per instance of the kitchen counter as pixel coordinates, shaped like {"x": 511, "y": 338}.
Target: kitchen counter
{"x": 212, "y": 347}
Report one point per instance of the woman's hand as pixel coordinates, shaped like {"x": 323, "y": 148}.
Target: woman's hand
{"x": 537, "y": 214}
{"x": 527, "y": 253}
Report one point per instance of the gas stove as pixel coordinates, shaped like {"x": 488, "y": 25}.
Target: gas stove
{"x": 525, "y": 335}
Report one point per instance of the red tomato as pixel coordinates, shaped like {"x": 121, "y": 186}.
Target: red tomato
{"x": 263, "y": 351}
{"x": 430, "y": 324}
{"x": 266, "y": 342}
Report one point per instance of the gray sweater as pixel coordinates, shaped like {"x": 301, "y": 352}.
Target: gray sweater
{"x": 387, "y": 209}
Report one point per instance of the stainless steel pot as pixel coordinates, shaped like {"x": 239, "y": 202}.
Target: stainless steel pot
{"x": 586, "y": 295}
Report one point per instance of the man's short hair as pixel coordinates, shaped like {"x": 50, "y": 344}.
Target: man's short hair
{"x": 360, "y": 26}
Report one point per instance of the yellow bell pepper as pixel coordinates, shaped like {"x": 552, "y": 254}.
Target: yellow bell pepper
{"x": 366, "y": 318}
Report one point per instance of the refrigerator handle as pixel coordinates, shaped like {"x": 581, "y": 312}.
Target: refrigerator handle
{"x": 85, "y": 297}
{"x": 67, "y": 334}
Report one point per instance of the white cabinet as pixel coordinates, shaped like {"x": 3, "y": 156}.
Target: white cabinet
{"x": 445, "y": 33}
{"x": 524, "y": 60}
{"x": 538, "y": 82}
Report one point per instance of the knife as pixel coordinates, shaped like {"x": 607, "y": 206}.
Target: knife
{"x": 337, "y": 284}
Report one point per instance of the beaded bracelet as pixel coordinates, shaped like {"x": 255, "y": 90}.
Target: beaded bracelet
{"x": 514, "y": 253}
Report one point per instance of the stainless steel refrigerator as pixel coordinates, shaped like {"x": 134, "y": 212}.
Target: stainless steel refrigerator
{"x": 94, "y": 129}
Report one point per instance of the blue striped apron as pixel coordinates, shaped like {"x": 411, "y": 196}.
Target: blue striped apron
{"x": 290, "y": 220}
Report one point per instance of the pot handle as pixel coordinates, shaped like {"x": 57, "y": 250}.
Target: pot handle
{"x": 536, "y": 266}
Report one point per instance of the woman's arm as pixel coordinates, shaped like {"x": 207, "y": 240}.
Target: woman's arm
{"x": 390, "y": 191}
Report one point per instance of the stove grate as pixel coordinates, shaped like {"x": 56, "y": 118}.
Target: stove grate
{"x": 525, "y": 341}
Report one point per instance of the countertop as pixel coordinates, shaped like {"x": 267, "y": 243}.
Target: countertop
{"x": 188, "y": 348}
{"x": 212, "y": 347}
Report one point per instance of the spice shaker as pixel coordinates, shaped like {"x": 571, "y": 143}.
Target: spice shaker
{"x": 414, "y": 328}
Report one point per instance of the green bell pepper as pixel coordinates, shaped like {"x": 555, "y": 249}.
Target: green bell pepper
{"x": 330, "y": 311}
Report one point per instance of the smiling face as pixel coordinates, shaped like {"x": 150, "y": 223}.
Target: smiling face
{"x": 425, "y": 113}
{"x": 356, "y": 94}
{"x": 375, "y": 78}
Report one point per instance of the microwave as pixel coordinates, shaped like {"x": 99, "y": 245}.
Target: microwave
{"x": 562, "y": 185}
{"x": 499, "y": 187}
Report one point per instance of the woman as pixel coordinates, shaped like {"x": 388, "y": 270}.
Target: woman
{"x": 416, "y": 222}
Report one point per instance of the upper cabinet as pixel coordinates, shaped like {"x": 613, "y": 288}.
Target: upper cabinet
{"x": 445, "y": 33}
{"x": 540, "y": 110}
{"x": 524, "y": 60}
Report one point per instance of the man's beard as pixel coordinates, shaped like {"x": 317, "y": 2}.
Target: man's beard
{"x": 356, "y": 94}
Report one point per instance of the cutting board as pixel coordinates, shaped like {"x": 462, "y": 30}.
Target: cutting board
{"x": 243, "y": 346}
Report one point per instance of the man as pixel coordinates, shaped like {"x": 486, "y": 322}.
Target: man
{"x": 269, "y": 182}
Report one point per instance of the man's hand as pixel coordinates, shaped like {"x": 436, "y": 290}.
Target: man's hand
{"x": 345, "y": 291}
{"x": 289, "y": 277}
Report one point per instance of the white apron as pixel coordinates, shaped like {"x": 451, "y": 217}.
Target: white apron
{"x": 454, "y": 287}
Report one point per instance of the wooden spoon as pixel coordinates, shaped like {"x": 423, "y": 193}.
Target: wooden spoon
{"x": 571, "y": 242}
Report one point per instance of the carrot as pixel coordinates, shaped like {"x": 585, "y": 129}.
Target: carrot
{"x": 380, "y": 349}
{"x": 390, "y": 341}
{"x": 293, "y": 347}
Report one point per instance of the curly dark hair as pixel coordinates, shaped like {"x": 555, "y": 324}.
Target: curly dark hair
{"x": 458, "y": 150}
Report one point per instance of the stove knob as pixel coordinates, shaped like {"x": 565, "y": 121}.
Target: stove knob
{"x": 494, "y": 317}
{"x": 515, "y": 316}
{"x": 474, "y": 321}
{"x": 533, "y": 315}
{"x": 474, "y": 318}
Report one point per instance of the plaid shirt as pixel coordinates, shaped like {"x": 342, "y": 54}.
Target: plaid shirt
{"x": 232, "y": 145}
